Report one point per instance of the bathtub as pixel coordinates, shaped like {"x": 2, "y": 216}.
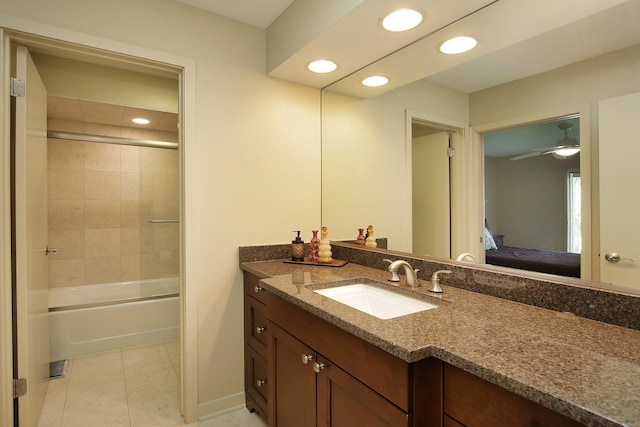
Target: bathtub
{"x": 87, "y": 319}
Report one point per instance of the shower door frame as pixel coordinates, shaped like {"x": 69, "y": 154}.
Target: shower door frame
{"x": 48, "y": 39}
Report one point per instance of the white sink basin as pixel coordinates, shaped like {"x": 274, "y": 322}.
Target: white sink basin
{"x": 375, "y": 301}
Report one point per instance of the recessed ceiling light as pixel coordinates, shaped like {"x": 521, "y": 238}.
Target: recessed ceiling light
{"x": 458, "y": 45}
{"x": 402, "y": 20}
{"x": 140, "y": 121}
{"x": 374, "y": 81}
{"x": 322, "y": 66}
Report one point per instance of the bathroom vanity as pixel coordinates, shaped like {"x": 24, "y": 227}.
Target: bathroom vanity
{"x": 476, "y": 360}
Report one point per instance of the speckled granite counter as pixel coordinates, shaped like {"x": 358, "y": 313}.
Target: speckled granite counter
{"x": 586, "y": 370}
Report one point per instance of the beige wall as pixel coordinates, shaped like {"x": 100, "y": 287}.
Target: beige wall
{"x": 101, "y": 198}
{"x": 251, "y": 155}
{"x": 364, "y": 158}
{"x": 526, "y": 200}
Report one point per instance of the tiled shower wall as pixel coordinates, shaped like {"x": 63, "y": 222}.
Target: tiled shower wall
{"x": 101, "y": 198}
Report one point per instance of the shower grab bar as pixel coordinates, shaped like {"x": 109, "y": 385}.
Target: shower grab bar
{"x": 162, "y": 221}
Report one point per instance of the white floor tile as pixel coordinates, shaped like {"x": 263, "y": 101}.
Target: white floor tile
{"x": 133, "y": 387}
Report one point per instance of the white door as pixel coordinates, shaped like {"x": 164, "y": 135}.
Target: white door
{"x": 430, "y": 201}
{"x": 619, "y": 156}
{"x": 32, "y": 273}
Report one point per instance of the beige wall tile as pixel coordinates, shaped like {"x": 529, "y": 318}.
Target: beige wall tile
{"x": 130, "y": 186}
{"x": 167, "y": 209}
{"x": 102, "y": 213}
{"x": 166, "y": 237}
{"x": 147, "y": 186}
{"x": 135, "y": 133}
{"x": 130, "y": 241}
{"x": 101, "y": 157}
{"x": 146, "y": 266}
{"x": 130, "y": 214}
{"x": 165, "y": 187}
{"x": 65, "y": 214}
{"x": 147, "y": 237}
{"x": 129, "y": 158}
{"x": 70, "y": 243}
{"x": 130, "y": 267}
{"x": 66, "y": 272}
{"x": 165, "y": 264}
{"x": 102, "y": 185}
{"x": 65, "y": 154}
{"x": 146, "y": 159}
{"x": 165, "y": 161}
{"x": 102, "y": 270}
{"x": 102, "y": 242}
{"x": 66, "y": 184}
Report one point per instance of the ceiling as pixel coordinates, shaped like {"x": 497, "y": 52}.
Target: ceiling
{"x": 258, "y": 13}
{"x": 84, "y": 111}
{"x": 348, "y": 32}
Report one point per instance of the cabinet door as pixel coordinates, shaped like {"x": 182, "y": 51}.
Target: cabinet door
{"x": 292, "y": 384}
{"x": 344, "y": 401}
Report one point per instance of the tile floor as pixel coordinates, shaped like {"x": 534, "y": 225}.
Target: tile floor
{"x": 129, "y": 387}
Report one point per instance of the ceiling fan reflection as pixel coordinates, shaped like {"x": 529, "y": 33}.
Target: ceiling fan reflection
{"x": 566, "y": 147}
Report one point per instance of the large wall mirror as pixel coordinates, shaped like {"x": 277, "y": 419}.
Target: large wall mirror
{"x": 544, "y": 74}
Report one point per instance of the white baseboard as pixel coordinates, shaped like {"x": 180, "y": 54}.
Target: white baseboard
{"x": 220, "y": 406}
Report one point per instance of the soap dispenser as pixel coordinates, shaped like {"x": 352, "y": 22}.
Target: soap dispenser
{"x": 297, "y": 248}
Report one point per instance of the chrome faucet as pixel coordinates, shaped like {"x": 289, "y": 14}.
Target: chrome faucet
{"x": 435, "y": 281}
{"x": 466, "y": 256}
{"x": 412, "y": 275}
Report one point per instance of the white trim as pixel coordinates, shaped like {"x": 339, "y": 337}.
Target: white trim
{"x": 6, "y": 344}
{"x": 459, "y": 179}
{"x": 74, "y": 43}
{"x": 225, "y": 404}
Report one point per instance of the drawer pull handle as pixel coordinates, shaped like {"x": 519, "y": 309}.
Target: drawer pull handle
{"x": 260, "y": 329}
{"x": 258, "y": 289}
{"x": 306, "y": 358}
{"x": 317, "y": 367}
{"x": 260, "y": 383}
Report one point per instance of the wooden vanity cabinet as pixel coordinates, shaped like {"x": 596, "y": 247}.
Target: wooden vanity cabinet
{"x": 470, "y": 401}
{"x": 308, "y": 390}
{"x": 255, "y": 346}
{"x": 345, "y": 380}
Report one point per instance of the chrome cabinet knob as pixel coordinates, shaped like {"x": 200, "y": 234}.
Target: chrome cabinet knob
{"x": 258, "y": 289}
{"x": 260, "y": 329}
{"x": 317, "y": 367}
{"x": 260, "y": 383}
{"x": 614, "y": 257}
{"x": 306, "y": 358}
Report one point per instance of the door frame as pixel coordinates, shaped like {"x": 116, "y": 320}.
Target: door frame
{"x": 459, "y": 165}
{"x": 590, "y": 241}
{"x": 45, "y": 38}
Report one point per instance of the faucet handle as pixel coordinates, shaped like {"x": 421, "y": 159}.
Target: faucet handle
{"x": 394, "y": 273}
{"x": 435, "y": 281}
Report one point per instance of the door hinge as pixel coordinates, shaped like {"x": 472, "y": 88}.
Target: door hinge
{"x": 451, "y": 152}
{"x": 19, "y": 387}
{"x": 17, "y": 87}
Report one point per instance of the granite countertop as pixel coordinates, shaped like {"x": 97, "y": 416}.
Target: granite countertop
{"x": 584, "y": 369}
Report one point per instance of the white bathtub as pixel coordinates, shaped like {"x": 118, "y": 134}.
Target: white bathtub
{"x": 86, "y": 319}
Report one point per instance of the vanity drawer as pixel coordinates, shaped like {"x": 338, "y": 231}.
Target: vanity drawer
{"x": 256, "y": 386}
{"x": 253, "y": 289}
{"x": 255, "y": 324}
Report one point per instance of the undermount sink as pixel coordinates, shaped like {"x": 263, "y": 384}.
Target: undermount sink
{"x": 378, "y": 302}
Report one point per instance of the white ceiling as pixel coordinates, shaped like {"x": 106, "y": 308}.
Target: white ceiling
{"x": 506, "y": 29}
{"x": 259, "y": 13}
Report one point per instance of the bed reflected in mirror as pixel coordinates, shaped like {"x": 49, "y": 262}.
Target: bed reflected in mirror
{"x": 532, "y": 197}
